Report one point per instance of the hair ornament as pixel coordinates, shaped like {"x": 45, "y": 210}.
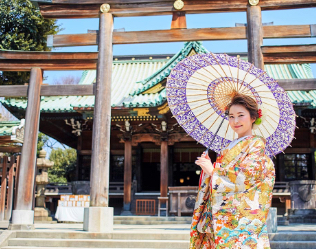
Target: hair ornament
{"x": 261, "y": 117}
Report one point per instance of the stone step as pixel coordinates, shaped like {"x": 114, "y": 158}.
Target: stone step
{"x": 98, "y": 243}
{"x": 86, "y": 244}
{"x": 151, "y": 220}
{"x": 169, "y": 218}
{"x": 293, "y": 236}
{"x": 115, "y": 235}
{"x": 148, "y": 222}
{"x": 32, "y": 247}
{"x": 281, "y": 236}
{"x": 293, "y": 244}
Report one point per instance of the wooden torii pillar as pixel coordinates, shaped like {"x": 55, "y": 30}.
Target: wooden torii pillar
{"x": 255, "y": 36}
{"x": 23, "y": 214}
{"x": 99, "y": 216}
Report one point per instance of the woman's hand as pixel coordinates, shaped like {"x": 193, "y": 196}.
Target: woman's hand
{"x": 205, "y": 163}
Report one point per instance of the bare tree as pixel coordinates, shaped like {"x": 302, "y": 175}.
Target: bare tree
{"x": 5, "y": 115}
{"x": 67, "y": 80}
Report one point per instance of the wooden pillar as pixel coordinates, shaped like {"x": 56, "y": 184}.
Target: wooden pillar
{"x": 164, "y": 169}
{"x": 100, "y": 159}
{"x": 127, "y": 175}
{"x": 3, "y": 194}
{"x": 26, "y": 177}
{"x": 7, "y": 215}
{"x": 255, "y": 36}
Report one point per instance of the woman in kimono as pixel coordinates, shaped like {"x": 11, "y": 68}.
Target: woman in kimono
{"x": 235, "y": 192}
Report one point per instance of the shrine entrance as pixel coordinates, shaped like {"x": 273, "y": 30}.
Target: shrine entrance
{"x": 150, "y": 167}
{"x": 185, "y": 171}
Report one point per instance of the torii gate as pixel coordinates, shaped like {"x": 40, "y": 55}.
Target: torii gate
{"x": 99, "y": 217}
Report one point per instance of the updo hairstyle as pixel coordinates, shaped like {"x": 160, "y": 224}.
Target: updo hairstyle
{"x": 246, "y": 101}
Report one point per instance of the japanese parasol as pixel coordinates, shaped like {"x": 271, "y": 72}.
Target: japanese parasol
{"x": 200, "y": 86}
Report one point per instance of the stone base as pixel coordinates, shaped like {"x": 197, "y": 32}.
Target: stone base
{"x": 42, "y": 214}
{"x": 23, "y": 217}
{"x": 20, "y": 227}
{"x": 126, "y": 209}
{"x": 4, "y": 224}
{"x": 98, "y": 219}
{"x": 272, "y": 220}
{"x": 126, "y": 213}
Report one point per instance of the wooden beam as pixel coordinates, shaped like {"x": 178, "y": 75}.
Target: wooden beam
{"x": 289, "y": 54}
{"x": 25, "y": 61}
{"x": 90, "y": 9}
{"x": 177, "y": 35}
{"x": 289, "y": 49}
{"x": 298, "y": 84}
{"x": 25, "y": 189}
{"x": 10, "y": 149}
{"x": 89, "y": 90}
{"x": 255, "y": 36}
{"x": 289, "y": 31}
{"x": 100, "y": 158}
{"x": 52, "y": 90}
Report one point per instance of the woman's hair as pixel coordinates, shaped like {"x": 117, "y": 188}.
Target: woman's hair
{"x": 246, "y": 101}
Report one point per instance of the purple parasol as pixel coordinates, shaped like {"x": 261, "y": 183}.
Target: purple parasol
{"x": 200, "y": 86}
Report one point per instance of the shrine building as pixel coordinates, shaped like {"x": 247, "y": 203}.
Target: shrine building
{"x": 150, "y": 154}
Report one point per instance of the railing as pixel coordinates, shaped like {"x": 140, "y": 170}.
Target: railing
{"x": 116, "y": 188}
{"x": 58, "y": 189}
{"x": 279, "y": 185}
{"x": 145, "y": 207}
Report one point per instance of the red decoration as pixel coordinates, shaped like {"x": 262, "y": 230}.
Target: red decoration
{"x": 260, "y": 113}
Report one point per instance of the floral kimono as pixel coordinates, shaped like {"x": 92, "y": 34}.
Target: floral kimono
{"x": 232, "y": 206}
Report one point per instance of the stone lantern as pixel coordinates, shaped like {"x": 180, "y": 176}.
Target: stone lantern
{"x": 41, "y": 213}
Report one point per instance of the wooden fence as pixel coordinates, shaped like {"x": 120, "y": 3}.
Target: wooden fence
{"x": 9, "y": 167}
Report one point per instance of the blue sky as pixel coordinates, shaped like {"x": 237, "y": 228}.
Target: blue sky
{"x": 278, "y": 17}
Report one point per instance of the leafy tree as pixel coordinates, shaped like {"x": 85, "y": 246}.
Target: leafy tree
{"x": 41, "y": 142}
{"x": 64, "y": 164}
{"x": 22, "y": 27}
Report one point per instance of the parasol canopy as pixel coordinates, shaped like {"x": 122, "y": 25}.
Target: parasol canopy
{"x": 201, "y": 86}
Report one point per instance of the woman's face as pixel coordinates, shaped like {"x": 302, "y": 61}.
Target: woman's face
{"x": 240, "y": 120}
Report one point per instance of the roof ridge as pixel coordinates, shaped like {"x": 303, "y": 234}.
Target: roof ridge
{"x": 164, "y": 72}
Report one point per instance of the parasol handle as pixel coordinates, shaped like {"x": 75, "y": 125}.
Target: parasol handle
{"x": 206, "y": 151}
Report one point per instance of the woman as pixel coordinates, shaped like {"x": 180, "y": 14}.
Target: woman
{"x": 235, "y": 193}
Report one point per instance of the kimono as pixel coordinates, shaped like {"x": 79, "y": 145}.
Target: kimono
{"x": 232, "y": 205}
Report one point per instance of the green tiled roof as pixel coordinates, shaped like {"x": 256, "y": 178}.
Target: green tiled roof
{"x": 7, "y": 128}
{"x": 132, "y": 78}
{"x": 164, "y": 72}
{"x": 12, "y": 129}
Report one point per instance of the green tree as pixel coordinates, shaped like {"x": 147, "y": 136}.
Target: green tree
{"x": 64, "y": 164}
{"x": 22, "y": 27}
{"x": 41, "y": 142}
